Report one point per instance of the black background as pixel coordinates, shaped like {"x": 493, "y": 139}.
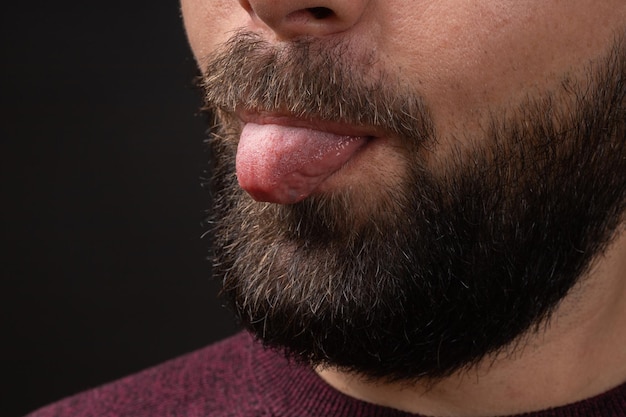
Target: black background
{"x": 103, "y": 269}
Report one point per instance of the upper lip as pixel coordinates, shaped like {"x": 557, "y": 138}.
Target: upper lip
{"x": 285, "y": 119}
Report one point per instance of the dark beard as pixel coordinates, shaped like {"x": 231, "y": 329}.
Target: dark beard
{"x": 425, "y": 279}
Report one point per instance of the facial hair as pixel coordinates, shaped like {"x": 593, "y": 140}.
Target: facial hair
{"x": 425, "y": 278}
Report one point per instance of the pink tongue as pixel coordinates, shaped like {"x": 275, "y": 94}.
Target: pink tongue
{"x": 284, "y": 165}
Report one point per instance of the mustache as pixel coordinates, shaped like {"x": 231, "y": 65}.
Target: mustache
{"x": 314, "y": 80}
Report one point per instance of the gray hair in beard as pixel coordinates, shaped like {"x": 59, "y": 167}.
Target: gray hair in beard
{"x": 443, "y": 270}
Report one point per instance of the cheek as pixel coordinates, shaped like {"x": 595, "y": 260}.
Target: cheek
{"x": 210, "y": 23}
{"x": 461, "y": 55}
{"x": 466, "y": 57}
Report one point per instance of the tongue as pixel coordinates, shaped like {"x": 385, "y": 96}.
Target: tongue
{"x": 285, "y": 165}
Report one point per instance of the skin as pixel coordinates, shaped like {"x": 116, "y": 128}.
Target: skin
{"x": 466, "y": 57}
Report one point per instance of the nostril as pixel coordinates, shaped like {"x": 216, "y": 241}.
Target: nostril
{"x": 320, "y": 12}
{"x": 290, "y": 19}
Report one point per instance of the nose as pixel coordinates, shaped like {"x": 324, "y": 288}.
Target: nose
{"x": 292, "y": 18}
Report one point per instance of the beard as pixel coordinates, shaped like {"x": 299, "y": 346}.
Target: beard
{"x": 458, "y": 259}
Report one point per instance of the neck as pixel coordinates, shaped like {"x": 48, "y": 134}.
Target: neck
{"x": 578, "y": 355}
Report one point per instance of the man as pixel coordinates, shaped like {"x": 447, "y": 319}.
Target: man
{"x": 419, "y": 209}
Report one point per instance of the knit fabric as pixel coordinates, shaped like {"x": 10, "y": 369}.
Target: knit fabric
{"x": 239, "y": 378}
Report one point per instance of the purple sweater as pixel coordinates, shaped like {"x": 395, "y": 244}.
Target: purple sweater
{"x": 238, "y": 378}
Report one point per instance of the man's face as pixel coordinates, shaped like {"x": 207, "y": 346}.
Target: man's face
{"x": 488, "y": 169}
{"x": 464, "y": 57}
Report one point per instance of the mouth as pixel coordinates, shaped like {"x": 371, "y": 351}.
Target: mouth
{"x": 283, "y": 159}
